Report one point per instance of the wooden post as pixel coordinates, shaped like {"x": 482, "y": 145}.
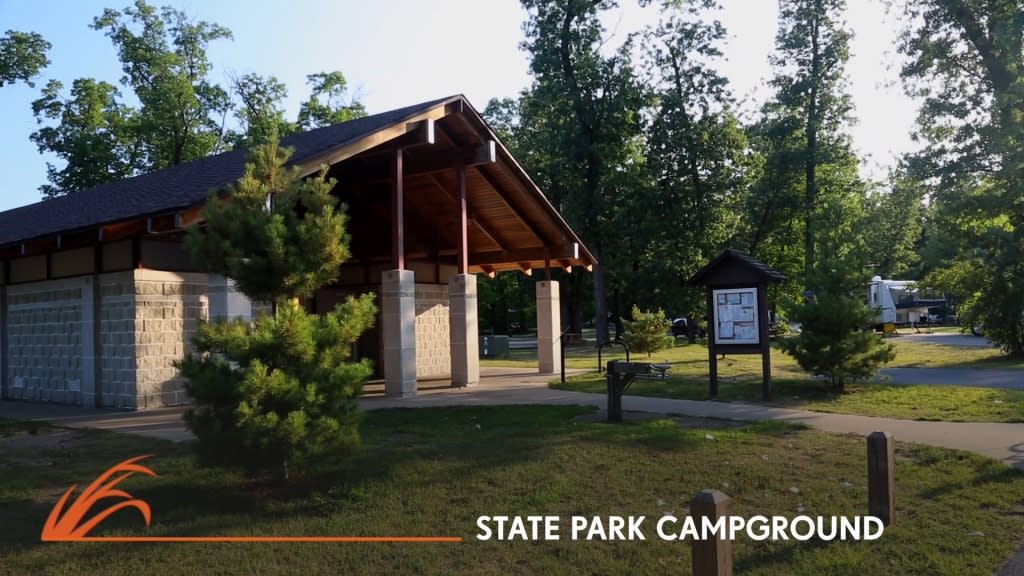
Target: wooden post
{"x": 711, "y": 557}
{"x": 463, "y": 248}
{"x": 3, "y": 333}
{"x": 397, "y": 213}
{"x": 712, "y": 348}
{"x": 764, "y": 336}
{"x": 882, "y": 477}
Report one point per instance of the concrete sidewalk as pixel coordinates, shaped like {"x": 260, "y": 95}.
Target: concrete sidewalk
{"x": 1003, "y": 442}
{"x": 974, "y": 377}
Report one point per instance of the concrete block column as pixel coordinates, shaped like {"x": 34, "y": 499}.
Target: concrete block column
{"x": 398, "y": 328}
{"x": 226, "y": 301}
{"x": 549, "y": 328}
{"x": 90, "y": 346}
{"x": 462, "y": 317}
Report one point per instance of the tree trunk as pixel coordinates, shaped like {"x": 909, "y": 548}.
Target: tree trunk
{"x": 811, "y": 151}
{"x": 583, "y": 108}
{"x": 600, "y": 305}
{"x": 577, "y": 303}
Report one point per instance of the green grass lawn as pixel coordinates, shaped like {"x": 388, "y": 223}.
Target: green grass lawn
{"x": 694, "y": 357}
{"x": 945, "y": 403}
{"x": 740, "y": 381}
{"x": 434, "y": 471}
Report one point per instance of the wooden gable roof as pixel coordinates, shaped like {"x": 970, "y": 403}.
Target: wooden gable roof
{"x": 513, "y": 225}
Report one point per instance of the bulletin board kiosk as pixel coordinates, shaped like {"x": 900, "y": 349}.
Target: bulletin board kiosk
{"x": 737, "y": 311}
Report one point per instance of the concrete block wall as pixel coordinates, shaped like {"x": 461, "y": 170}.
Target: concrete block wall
{"x": 117, "y": 339}
{"x": 140, "y": 323}
{"x": 433, "y": 336}
{"x": 168, "y": 308}
{"x": 47, "y": 331}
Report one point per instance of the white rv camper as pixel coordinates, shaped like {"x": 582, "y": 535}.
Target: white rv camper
{"x": 899, "y": 302}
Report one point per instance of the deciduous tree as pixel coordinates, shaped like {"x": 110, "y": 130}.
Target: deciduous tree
{"x": 588, "y": 101}
{"x": 965, "y": 61}
{"x": 812, "y": 50}
{"x": 22, "y": 56}
{"x": 329, "y": 102}
{"x": 180, "y": 112}
{"x": 696, "y": 156}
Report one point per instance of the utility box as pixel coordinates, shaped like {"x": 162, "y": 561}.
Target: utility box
{"x": 494, "y": 347}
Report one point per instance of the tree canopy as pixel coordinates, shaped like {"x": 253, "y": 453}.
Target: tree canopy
{"x": 965, "y": 62}
{"x": 637, "y": 140}
{"x": 167, "y": 108}
{"x": 22, "y": 57}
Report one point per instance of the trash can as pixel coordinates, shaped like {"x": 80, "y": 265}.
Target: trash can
{"x": 494, "y": 347}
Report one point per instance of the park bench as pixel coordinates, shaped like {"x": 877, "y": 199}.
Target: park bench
{"x": 620, "y": 377}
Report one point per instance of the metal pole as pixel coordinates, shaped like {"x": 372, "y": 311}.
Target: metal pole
{"x": 561, "y": 344}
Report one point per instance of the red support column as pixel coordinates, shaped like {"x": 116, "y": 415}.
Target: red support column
{"x": 397, "y": 214}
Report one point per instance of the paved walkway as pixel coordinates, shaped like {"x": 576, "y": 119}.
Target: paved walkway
{"x": 1003, "y": 442}
{"x": 976, "y": 377}
{"x": 946, "y": 338}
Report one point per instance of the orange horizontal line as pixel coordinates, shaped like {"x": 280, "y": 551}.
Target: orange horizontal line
{"x": 267, "y": 539}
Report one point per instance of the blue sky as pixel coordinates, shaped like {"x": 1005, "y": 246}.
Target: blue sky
{"x": 399, "y": 52}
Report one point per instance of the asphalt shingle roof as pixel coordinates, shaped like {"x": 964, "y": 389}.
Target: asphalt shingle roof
{"x": 178, "y": 186}
{"x": 758, "y": 266}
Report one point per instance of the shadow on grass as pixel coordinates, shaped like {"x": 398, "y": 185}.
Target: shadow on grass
{"x": 983, "y": 472}
{"x": 743, "y": 388}
{"x": 783, "y": 557}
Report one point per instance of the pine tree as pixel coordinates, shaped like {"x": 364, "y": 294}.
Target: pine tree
{"x": 833, "y": 341}
{"x": 279, "y": 393}
{"x": 648, "y": 331}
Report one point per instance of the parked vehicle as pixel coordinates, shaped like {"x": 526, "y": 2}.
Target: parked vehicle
{"x": 900, "y": 302}
{"x": 680, "y": 329}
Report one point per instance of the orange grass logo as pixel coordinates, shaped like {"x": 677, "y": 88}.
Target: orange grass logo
{"x": 66, "y": 525}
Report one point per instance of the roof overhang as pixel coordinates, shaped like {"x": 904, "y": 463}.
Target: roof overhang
{"x": 514, "y": 226}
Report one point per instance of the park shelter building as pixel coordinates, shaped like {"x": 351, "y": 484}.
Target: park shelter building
{"x": 98, "y": 298}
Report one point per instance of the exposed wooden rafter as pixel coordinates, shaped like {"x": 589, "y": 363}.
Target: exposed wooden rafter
{"x": 375, "y": 169}
{"x": 188, "y": 217}
{"x": 474, "y": 216}
{"x": 565, "y": 253}
{"x": 513, "y": 208}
